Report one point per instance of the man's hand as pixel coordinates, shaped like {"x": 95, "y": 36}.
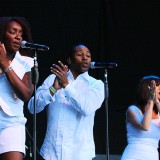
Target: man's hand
{"x": 60, "y": 71}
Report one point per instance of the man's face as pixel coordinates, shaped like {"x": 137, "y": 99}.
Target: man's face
{"x": 81, "y": 59}
{"x": 13, "y": 37}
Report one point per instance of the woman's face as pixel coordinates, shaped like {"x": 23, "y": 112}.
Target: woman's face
{"x": 13, "y": 36}
{"x": 158, "y": 91}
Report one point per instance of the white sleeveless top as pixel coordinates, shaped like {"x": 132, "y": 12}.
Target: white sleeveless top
{"x": 9, "y": 102}
{"x": 142, "y": 145}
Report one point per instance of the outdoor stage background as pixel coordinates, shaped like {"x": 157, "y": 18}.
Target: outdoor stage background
{"x": 121, "y": 31}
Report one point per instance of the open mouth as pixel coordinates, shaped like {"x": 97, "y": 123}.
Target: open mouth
{"x": 16, "y": 45}
{"x": 84, "y": 64}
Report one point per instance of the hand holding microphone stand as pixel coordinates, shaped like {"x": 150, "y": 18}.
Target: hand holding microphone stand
{"x": 105, "y": 65}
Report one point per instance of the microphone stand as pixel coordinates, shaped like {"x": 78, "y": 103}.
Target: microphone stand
{"x": 35, "y": 77}
{"x": 106, "y": 91}
{"x": 105, "y": 65}
{"x": 30, "y": 144}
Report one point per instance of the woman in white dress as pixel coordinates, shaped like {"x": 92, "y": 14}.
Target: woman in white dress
{"x": 143, "y": 122}
{"x": 15, "y": 86}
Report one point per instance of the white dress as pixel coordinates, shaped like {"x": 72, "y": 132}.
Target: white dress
{"x": 142, "y": 145}
{"x": 12, "y": 120}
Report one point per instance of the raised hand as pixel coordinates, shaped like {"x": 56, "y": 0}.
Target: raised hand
{"x": 152, "y": 90}
{"x": 60, "y": 71}
{"x": 2, "y": 53}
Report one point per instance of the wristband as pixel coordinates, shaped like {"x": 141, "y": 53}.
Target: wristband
{"x": 8, "y": 69}
{"x": 52, "y": 89}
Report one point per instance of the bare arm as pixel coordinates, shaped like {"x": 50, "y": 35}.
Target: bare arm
{"x": 23, "y": 88}
{"x": 138, "y": 120}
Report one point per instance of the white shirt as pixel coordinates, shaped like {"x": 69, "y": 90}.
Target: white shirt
{"x": 9, "y": 102}
{"x": 70, "y": 115}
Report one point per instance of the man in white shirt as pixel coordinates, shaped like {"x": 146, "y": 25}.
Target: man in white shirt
{"x": 71, "y": 98}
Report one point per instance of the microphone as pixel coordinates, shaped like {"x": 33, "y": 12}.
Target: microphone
{"x": 94, "y": 65}
{"x": 34, "y": 46}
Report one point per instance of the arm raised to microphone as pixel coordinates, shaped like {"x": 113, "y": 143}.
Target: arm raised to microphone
{"x": 34, "y": 46}
{"x": 94, "y": 65}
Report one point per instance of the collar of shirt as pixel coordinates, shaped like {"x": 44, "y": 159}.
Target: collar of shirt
{"x": 84, "y": 76}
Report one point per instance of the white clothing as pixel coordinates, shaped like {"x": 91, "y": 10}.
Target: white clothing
{"x": 11, "y": 104}
{"x": 12, "y": 120}
{"x": 12, "y": 138}
{"x": 70, "y": 115}
{"x": 142, "y": 145}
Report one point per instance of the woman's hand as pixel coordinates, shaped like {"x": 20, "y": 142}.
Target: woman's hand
{"x": 3, "y": 54}
{"x": 152, "y": 90}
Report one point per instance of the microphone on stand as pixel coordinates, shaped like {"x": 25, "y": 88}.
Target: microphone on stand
{"x": 94, "y": 65}
{"x": 34, "y": 46}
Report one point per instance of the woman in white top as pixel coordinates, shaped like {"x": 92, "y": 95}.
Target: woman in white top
{"x": 15, "y": 86}
{"x": 143, "y": 122}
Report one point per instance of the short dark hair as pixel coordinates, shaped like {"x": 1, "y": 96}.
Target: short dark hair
{"x": 72, "y": 50}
